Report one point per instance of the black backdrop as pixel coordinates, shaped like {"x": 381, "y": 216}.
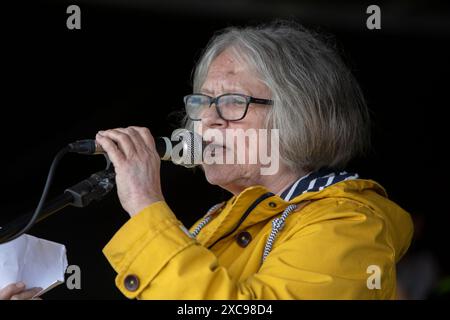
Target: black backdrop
{"x": 131, "y": 65}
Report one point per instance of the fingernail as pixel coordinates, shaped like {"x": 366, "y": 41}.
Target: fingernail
{"x": 20, "y": 285}
{"x": 37, "y": 289}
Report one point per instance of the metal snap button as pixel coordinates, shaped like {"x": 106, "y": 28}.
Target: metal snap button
{"x": 243, "y": 239}
{"x": 131, "y": 282}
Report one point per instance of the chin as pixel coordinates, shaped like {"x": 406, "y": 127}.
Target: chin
{"x": 219, "y": 174}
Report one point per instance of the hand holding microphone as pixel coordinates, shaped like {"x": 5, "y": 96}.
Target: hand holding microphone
{"x": 136, "y": 155}
{"x": 188, "y": 151}
{"x": 137, "y": 165}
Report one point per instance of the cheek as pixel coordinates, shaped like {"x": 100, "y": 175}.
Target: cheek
{"x": 255, "y": 118}
{"x": 248, "y": 148}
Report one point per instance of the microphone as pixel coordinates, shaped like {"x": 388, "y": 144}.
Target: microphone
{"x": 187, "y": 151}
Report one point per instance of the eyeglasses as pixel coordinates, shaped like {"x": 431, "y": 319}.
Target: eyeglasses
{"x": 229, "y": 106}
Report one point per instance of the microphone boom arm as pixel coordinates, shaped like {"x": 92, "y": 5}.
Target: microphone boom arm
{"x": 80, "y": 195}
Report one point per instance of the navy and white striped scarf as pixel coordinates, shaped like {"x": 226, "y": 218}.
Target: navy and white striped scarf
{"x": 316, "y": 181}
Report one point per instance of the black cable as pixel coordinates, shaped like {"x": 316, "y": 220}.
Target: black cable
{"x": 41, "y": 203}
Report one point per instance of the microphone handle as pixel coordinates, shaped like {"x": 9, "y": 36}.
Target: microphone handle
{"x": 164, "y": 147}
{"x": 89, "y": 146}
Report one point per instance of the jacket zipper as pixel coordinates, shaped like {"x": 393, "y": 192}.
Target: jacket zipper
{"x": 244, "y": 216}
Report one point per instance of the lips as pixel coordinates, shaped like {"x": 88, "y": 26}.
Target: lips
{"x": 211, "y": 147}
{"x": 212, "y": 144}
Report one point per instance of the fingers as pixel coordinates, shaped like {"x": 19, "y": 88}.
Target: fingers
{"x": 15, "y": 291}
{"x": 122, "y": 143}
{"x": 146, "y": 136}
{"x": 111, "y": 148}
{"x": 122, "y": 139}
{"x": 135, "y": 138}
{"x": 27, "y": 294}
{"x": 7, "y": 292}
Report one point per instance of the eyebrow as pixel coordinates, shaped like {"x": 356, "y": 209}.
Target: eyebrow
{"x": 246, "y": 91}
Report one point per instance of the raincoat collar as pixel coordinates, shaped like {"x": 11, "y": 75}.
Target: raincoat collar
{"x": 316, "y": 181}
{"x": 256, "y": 203}
{"x": 305, "y": 188}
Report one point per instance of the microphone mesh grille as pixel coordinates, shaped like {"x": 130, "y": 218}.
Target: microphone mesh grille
{"x": 191, "y": 147}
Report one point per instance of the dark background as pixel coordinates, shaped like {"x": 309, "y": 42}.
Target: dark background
{"x": 131, "y": 64}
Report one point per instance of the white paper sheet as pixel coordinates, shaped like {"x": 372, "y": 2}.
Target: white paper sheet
{"x": 34, "y": 261}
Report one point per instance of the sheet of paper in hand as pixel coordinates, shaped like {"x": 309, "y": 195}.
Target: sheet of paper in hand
{"x": 34, "y": 261}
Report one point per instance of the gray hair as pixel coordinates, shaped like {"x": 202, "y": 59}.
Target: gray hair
{"x": 319, "y": 107}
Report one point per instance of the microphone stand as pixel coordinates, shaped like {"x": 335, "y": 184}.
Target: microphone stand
{"x": 80, "y": 195}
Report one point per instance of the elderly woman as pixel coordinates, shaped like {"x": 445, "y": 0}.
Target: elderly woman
{"x": 310, "y": 231}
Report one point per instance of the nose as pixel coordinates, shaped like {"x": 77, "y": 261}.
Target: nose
{"x": 211, "y": 118}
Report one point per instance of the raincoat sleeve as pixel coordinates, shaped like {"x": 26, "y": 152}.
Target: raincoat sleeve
{"x": 154, "y": 248}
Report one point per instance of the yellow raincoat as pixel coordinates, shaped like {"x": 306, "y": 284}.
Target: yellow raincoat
{"x": 332, "y": 247}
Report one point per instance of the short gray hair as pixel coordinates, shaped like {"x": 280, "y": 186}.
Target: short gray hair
{"x": 319, "y": 107}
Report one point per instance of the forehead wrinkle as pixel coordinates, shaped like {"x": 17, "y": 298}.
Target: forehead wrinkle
{"x": 224, "y": 76}
{"x": 231, "y": 86}
{"x": 226, "y": 63}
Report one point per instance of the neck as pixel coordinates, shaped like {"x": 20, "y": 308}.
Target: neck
{"x": 278, "y": 184}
